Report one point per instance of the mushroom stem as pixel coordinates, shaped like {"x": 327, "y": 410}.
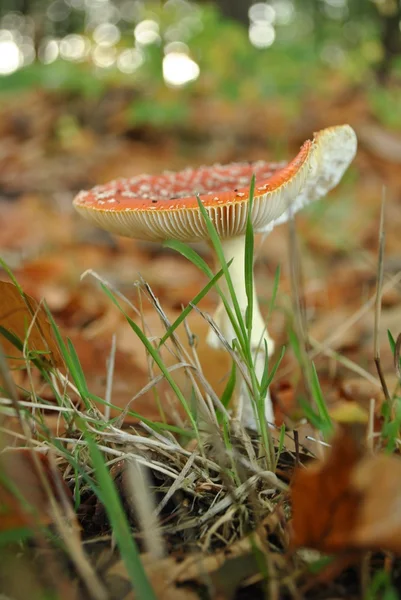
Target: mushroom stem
{"x": 234, "y": 248}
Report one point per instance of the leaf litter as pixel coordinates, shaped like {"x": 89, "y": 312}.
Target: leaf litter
{"x": 224, "y": 519}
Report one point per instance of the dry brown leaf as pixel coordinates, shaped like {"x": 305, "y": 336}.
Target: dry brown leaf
{"x": 159, "y": 574}
{"x": 23, "y": 497}
{"x": 17, "y": 312}
{"x": 378, "y": 480}
{"x": 223, "y": 571}
{"x": 350, "y": 500}
{"x": 323, "y": 502}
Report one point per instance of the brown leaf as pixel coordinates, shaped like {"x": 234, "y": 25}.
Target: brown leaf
{"x": 350, "y": 500}
{"x": 226, "y": 570}
{"x": 324, "y": 504}
{"x": 17, "y": 312}
{"x": 159, "y": 574}
{"x": 23, "y": 496}
{"x": 378, "y": 479}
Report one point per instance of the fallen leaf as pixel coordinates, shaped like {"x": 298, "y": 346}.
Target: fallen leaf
{"x": 159, "y": 574}
{"x": 23, "y": 496}
{"x": 17, "y": 311}
{"x": 378, "y": 479}
{"x": 350, "y": 500}
{"x": 284, "y": 401}
{"x": 224, "y": 571}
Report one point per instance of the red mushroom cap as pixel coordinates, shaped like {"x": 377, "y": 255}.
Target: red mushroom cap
{"x": 217, "y": 184}
{"x": 160, "y": 207}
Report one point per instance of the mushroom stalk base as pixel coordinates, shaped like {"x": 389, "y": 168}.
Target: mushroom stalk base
{"x": 234, "y": 248}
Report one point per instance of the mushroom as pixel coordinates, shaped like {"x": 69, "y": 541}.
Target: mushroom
{"x": 162, "y": 207}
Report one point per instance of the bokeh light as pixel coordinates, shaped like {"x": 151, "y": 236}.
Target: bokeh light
{"x": 130, "y": 60}
{"x": 147, "y": 32}
{"x": 11, "y": 57}
{"x": 261, "y": 31}
{"x": 104, "y": 56}
{"x": 106, "y": 34}
{"x": 262, "y": 34}
{"x": 179, "y": 69}
{"x": 74, "y": 47}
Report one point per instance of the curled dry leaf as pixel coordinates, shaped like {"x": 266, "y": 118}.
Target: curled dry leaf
{"x": 17, "y": 310}
{"x": 24, "y": 499}
{"x": 350, "y": 500}
{"x": 222, "y": 573}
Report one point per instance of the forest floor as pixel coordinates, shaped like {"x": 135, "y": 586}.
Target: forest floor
{"x": 53, "y": 145}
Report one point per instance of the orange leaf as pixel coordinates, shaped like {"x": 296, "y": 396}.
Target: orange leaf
{"x": 16, "y": 314}
{"x": 323, "y": 503}
{"x": 23, "y": 496}
{"x": 350, "y": 500}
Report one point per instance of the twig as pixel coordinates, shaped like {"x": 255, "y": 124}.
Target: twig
{"x": 176, "y": 485}
{"x": 376, "y": 346}
{"x": 298, "y": 307}
{"x": 138, "y": 485}
{"x": 109, "y": 381}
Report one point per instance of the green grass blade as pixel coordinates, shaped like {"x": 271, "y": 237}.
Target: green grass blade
{"x": 274, "y": 291}
{"x": 313, "y": 417}
{"x": 120, "y": 526}
{"x": 249, "y": 254}
{"x": 267, "y": 377}
{"x": 157, "y": 359}
{"x": 318, "y": 397}
{"x": 281, "y": 442}
{"x": 80, "y": 376}
{"x": 71, "y": 360}
{"x": 16, "y": 536}
{"x": 192, "y": 256}
{"x": 228, "y": 391}
{"x": 391, "y": 341}
{"x": 230, "y": 387}
{"x": 156, "y": 426}
{"x": 190, "y": 306}
{"x": 12, "y": 277}
{"x": 294, "y": 342}
{"x": 215, "y": 240}
{"x": 12, "y": 338}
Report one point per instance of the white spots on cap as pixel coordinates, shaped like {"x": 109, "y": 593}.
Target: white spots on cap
{"x": 104, "y": 193}
{"x": 311, "y": 175}
{"x": 205, "y": 181}
{"x": 128, "y": 194}
{"x": 188, "y": 225}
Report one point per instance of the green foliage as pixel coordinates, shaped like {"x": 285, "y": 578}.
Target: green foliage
{"x": 60, "y": 75}
{"x": 161, "y": 113}
{"x": 308, "y": 51}
{"x": 381, "y": 587}
{"x": 385, "y": 104}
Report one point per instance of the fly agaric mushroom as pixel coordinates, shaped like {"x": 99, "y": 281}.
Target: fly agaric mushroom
{"x": 163, "y": 207}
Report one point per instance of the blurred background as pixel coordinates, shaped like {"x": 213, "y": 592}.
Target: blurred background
{"x": 92, "y": 90}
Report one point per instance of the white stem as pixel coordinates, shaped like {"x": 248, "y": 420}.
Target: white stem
{"x": 234, "y": 248}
